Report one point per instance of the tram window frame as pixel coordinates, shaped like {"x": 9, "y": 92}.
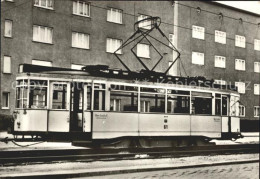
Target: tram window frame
{"x": 64, "y": 104}
{"x": 218, "y": 108}
{"x": 88, "y": 96}
{"x": 101, "y": 90}
{"x": 21, "y": 101}
{"x": 201, "y": 96}
{"x": 122, "y": 92}
{"x": 38, "y": 84}
{"x": 173, "y": 94}
{"x": 159, "y": 97}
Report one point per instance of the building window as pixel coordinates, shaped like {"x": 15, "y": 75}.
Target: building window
{"x": 257, "y": 67}
{"x": 257, "y": 45}
{"x": 171, "y": 39}
{"x": 114, "y": 15}
{"x": 256, "y": 111}
{"x": 42, "y": 34}
{"x": 144, "y": 24}
{"x": 5, "y": 100}
{"x": 143, "y": 50}
{"x": 77, "y": 67}
{"x": 80, "y": 40}
{"x": 198, "y": 32}
{"x": 257, "y": 89}
{"x": 81, "y": 8}
{"x": 197, "y": 58}
{"x": 113, "y": 45}
{"x": 220, "y": 62}
{"x": 240, "y": 41}
{"x": 48, "y": 4}
{"x": 7, "y": 64}
{"x": 242, "y": 111}
{"x": 220, "y": 82}
{"x": 220, "y": 37}
{"x": 42, "y": 63}
{"x": 240, "y": 64}
{"x": 241, "y": 87}
{"x": 8, "y": 28}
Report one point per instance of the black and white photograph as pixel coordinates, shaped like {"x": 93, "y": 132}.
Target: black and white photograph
{"x": 138, "y": 89}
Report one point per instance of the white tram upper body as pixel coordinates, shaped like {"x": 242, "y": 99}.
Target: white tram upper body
{"x": 108, "y": 108}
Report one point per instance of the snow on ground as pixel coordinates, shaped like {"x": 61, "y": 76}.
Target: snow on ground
{"x": 108, "y": 166}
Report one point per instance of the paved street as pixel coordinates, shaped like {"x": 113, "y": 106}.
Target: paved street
{"x": 238, "y": 171}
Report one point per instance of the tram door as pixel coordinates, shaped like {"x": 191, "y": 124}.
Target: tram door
{"x": 76, "y": 108}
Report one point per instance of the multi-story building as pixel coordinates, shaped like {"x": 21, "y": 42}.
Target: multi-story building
{"x": 216, "y": 41}
{"x": 72, "y": 34}
{"x": 222, "y": 43}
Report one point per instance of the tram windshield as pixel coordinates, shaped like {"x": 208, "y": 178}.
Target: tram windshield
{"x": 38, "y": 94}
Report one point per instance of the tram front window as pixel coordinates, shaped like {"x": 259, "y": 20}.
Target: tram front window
{"x": 59, "y": 96}
{"x": 38, "y": 94}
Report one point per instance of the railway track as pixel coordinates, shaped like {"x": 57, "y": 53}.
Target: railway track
{"x": 9, "y": 158}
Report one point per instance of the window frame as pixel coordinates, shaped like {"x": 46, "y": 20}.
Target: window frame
{"x": 222, "y": 59}
{"x": 44, "y": 7}
{"x": 198, "y": 32}
{"x": 141, "y": 55}
{"x": 238, "y": 85}
{"x": 147, "y": 24}
{"x": 238, "y": 65}
{"x": 256, "y": 108}
{"x": 8, "y": 100}
{"x": 257, "y": 44}
{"x": 44, "y": 61}
{"x": 110, "y": 50}
{"x": 77, "y": 40}
{"x": 84, "y": 3}
{"x": 257, "y": 89}
{"x": 222, "y": 39}
{"x": 11, "y": 28}
{"x": 4, "y": 65}
{"x": 197, "y": 54}
{"x": 240, "y": 41}
{"x": 257, "y": 66}
{"x": 37, "y": 39}
{"x": 243, "y": 109}
{"x": 117, "y": 11}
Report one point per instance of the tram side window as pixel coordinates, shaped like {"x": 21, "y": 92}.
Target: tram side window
{"x": 21, "y": 94}
{"x": 218, "y": 104}
{"x": 178, "y": 104}
{"x": 224, "y": 105}
{"x": 59, "y": 96}
{"x": 38, "y": 94}
{"x": 201, "y": 103}
{"x": 99, "y": 97}
{"x": 123, "y": 101}
{"x": 152, "y": 102}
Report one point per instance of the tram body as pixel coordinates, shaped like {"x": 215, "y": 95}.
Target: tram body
{"x": 108, "y": 108}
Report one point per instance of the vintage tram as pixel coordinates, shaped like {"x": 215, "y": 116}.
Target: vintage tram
{"x": 99, "y": 104}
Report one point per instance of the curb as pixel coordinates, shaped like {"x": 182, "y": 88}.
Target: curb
{"x": 118, "y": 171}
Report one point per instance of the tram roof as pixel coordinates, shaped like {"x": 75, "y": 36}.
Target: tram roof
{"x": 102, "y": 72}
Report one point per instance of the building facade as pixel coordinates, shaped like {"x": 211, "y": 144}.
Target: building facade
{"x": 221, "y": 43}
{"x": 72, "y": 34}
{"x": 215, "y": 41}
